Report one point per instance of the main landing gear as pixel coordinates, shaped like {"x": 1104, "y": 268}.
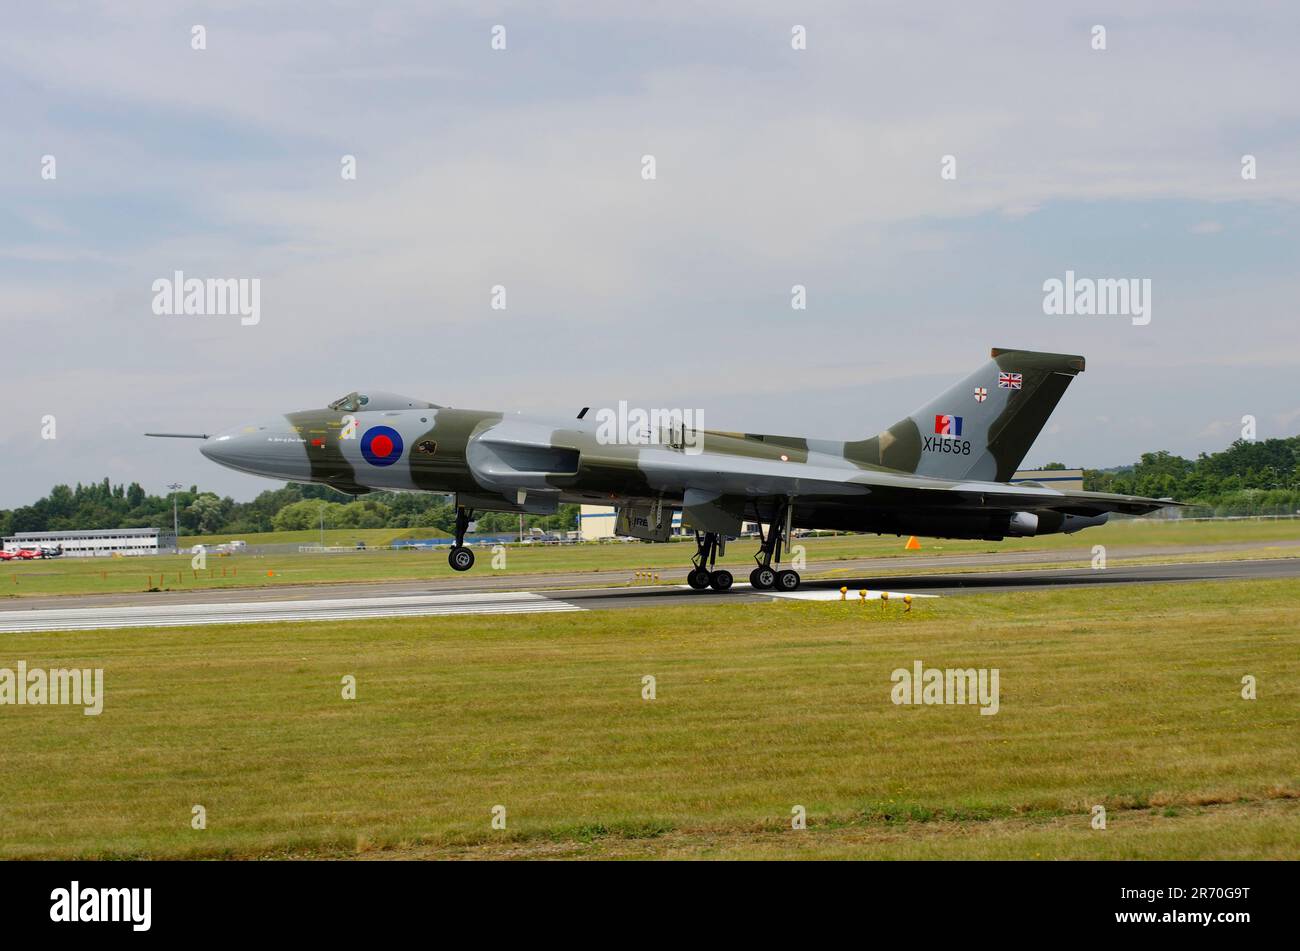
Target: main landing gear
{"x": 461, "y": 558}
{"x": 765, "y": 577}
{"x": 708, "y": 545}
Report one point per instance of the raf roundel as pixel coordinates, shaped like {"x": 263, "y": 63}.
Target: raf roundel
{"x": 381, "y": 446}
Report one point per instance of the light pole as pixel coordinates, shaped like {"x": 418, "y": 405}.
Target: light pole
{"x": 322, "y": 525}
{"x": 176, "y": 525}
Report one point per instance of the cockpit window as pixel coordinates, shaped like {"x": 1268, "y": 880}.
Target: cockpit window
{"x": 378, "y": 401}
{"x": 352, "y": 403}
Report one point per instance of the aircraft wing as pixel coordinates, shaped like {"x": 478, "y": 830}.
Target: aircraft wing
{"x": 724, "y": 490}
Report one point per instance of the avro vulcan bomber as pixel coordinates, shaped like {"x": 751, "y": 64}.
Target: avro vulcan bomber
{"x": 942, "y": 471}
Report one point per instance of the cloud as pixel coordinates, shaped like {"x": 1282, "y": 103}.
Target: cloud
{"x": 522, "y": 168}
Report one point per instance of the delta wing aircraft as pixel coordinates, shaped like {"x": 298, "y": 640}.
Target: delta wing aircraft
{"x": 942, "y": 471}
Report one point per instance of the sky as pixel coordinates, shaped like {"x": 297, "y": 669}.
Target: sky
{"x": 523, "y": 168}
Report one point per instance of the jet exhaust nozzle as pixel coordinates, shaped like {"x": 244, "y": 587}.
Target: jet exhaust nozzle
{"x": 1028, "y": 524}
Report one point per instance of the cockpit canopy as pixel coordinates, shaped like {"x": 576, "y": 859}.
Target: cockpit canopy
{"x": 376, "y": 400}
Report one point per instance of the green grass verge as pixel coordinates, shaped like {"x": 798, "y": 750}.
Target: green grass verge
{"x": 1128, "y": 698}
{"x": 1120, "y": 531}
{"x": 313, "y": 536}
{"x": 108, "y": 575}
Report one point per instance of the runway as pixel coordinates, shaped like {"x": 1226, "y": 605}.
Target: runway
{"x": 320, "y": 609}
{"x": 430, "y": 599}
{"x": 947, "y": 585}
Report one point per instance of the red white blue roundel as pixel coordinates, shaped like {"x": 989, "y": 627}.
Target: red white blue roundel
{"x": 381, "y": 445}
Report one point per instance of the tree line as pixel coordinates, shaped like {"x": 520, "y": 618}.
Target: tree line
{"x": 294, "y": 507}
{"x": 1247, "y": 478}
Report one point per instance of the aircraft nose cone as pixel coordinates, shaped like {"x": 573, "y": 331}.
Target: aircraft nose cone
{"x": 211, "y": 449}
{"x": 271, "y": 449}
{"x": 224, "y": 447}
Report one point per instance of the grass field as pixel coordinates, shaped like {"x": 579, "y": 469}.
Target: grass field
{"x": 1167, "y": 531}
{"x": 1127, "y": 698}
{"x": 94, "y": 575}
{"x": 1211, "y": 530}
{"x": 331, "y": 536}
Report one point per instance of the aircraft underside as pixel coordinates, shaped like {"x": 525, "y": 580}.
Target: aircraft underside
{"x": 652, "y": 519}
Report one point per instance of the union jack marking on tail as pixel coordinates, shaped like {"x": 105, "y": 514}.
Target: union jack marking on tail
{"x": 1010, "y": 381}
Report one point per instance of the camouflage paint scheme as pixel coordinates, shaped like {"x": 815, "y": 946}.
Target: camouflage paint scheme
{"x": 906, "y": 480}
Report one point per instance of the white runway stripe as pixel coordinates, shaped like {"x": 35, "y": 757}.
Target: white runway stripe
{"x": 247, "y": 612}
{"x": 833, "y": 594}
{"x": 819, "y": 594}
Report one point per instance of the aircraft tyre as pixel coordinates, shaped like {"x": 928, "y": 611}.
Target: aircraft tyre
{"x": 698, "y": 579}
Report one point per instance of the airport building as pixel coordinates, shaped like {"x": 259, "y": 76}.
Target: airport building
{"x": 597, "y": 521}
{"x": 1069, "y": 480}
{"x": 87, "y": 544}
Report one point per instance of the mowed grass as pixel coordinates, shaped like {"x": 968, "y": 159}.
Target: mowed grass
{"x": 347, "y": 537}
{"x": 671, "y": 561}
{"x": 1162, "y": 531}
{"x": 1128, "y": 698}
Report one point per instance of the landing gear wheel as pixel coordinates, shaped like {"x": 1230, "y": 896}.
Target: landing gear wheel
{"x": 762, "y": 578}
{"x": 698, "y": 579}
{"x": 720, "y": 580}
{"x": 787, "y": 580}
{"x": 461, "y": 558}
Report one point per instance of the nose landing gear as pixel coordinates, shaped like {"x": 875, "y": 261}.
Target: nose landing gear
{"x": 708, "y": 545}
{"x": 461, "y": 558}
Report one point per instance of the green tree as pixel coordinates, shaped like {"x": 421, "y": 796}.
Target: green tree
{"x": 207, "y": 514}
{"x": 363, "y": 514}
{"x": 307, "y": 514}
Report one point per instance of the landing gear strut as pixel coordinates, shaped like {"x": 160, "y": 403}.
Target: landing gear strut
{"x": 765, "y": 577}
{"x": 708, "y": 545}
{"x": 461, "y": 558}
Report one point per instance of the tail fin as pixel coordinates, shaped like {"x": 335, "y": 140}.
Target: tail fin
{"x": 981, "y": 428}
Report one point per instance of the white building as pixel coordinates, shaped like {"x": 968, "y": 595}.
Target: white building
{"x": 88, "y": 543}
{"x": 597, "y": 521}
{"x": 1071, "y": 480}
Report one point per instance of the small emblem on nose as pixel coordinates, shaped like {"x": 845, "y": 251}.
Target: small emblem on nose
{"x": 381, "y": 446}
